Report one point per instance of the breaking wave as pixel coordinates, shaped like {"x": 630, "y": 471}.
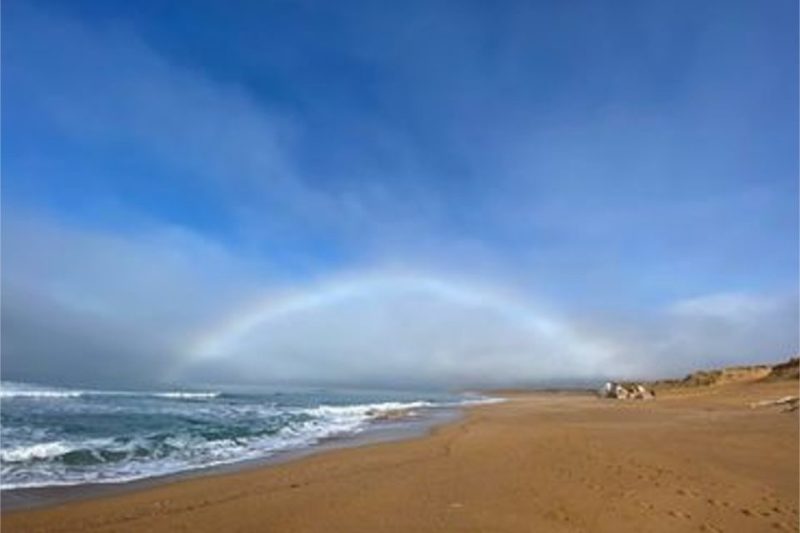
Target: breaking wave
{"x": 9, "y": 390}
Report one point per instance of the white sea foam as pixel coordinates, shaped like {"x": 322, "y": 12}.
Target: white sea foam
{"x": 23, "y": 390}
{"x": 40, "y": 394}
{"x": 44, "y": 450}
{"x": 482, "y": 400}
{"x": 184, "y": 395}
{"x": 365, "y": 411}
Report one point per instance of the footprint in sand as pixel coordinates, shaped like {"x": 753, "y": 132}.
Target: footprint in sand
{"x": 680, "y": 514}
{"x": 710, "y": 528}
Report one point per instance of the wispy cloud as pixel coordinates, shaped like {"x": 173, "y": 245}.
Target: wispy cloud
{"x": 107, "y": 89}
{"x": 199, "y": 128}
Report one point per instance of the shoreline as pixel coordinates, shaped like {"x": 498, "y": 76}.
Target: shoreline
{"x": 699, "y": 460}
{"x": 378, "y": 431}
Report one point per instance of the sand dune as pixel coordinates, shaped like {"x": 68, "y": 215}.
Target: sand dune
{"x": 787, "y": 370}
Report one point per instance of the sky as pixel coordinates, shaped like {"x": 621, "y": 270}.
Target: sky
{"x": 407, "y": 194}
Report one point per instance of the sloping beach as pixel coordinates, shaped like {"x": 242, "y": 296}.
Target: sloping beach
{"x": 696, "y": 459}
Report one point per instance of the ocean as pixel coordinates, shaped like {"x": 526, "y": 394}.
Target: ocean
{"x": 53, "y": 437}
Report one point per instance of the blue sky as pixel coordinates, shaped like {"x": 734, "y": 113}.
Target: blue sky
{"x": 603, "y": 165}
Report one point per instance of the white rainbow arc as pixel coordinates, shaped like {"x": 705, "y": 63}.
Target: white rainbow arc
{"x": 220, "y": 339}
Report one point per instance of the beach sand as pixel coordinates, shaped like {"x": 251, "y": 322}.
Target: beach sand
{"x": 695, "y": 459}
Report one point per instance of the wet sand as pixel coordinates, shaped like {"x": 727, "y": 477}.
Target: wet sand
{"x": 692, "y": 460}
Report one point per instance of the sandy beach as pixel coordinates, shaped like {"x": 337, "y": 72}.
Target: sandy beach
{"x": 695, "y": 459}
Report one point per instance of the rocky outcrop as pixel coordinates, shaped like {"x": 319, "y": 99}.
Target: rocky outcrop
{"x": 626, "y": 391}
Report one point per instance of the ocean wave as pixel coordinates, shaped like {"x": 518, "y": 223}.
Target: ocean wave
{"x": 44, "y": 450}
{"x": 481, "y": 400}
{"x": 366, "y": 411}
{"x": 327, "y": 421}
{"x": 110, "y": 461}
{"x": 44, "y": 394}
{"x": 183, "y": 395}
{"x": 9, "y": 390}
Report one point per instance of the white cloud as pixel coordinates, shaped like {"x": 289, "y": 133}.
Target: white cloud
{"x": 81, "y": 303}
{"x": 731, "y": 328}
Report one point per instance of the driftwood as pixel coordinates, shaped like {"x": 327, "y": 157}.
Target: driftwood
{"x": 791, "y": 403}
